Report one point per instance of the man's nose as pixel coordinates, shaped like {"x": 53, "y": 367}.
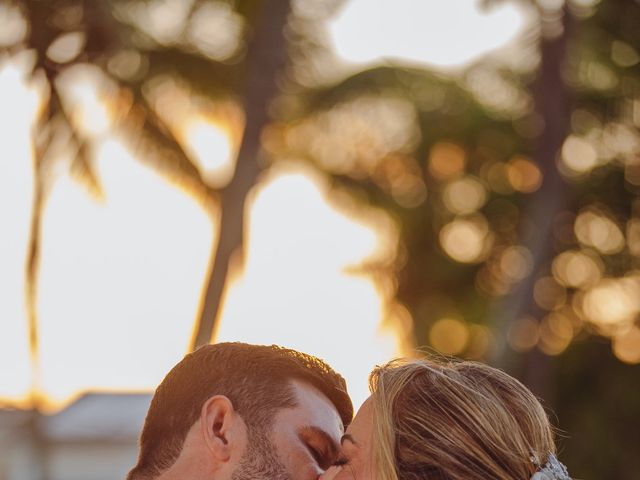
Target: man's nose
{"x": 331, "y": 473}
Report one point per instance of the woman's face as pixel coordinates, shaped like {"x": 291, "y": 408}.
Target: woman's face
{"x": 356, "y": 457}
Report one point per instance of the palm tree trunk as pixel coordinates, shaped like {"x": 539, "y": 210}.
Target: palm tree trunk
{"x": 265, "y": 58}
{"x": 31, "y": 305}
{"x": 552, "y": 104}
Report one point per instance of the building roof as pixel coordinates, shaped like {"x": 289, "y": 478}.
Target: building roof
{"x": 94, "y": 417}
{"x": 99, "y": 416}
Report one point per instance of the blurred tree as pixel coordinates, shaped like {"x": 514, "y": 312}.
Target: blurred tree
{"x": 112, "y": 36}
{"x": 538, "y": 252}
{"x": 265, "y": 59}
{"x": 514, "y": 185}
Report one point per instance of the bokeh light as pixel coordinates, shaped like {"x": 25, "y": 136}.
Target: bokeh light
{"x": 449, "y": 336}
{"x": 598, "y": 230}
{"x": 523, "y": 334}
{"x": 633, "y": 236}
{"x": 497, "y": 175}
{"x": 556, "y": 333}
{"x": 548, "y": 293}
{"x": 626, "y": 345}
{"x": 215, "y": 29}
{"x": 66, "y": 47}
{"x": 14, "y": 26}
{"x": 210, "y": 145}
{"x": 524, "y": 175}
{"x": 516, "y": 263}
{"x": 446, "y": 160}
{"x": 577, "y": 269}
{"x": 464, "y": 195}
{"x": 355, "y": 135}
{"x": 480, "y": 343}
{"x": 624, "y": 54}
{"x": 613, "y": 302}
{"x": 578, "y": 156}
{"x": 466, "y": 239}
{"x": 85, "y": 91}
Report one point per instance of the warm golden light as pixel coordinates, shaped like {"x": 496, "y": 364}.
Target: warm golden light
{"x": 613, "y": 302}
{"x": 626, "y": 345}
{"x": 548, "y": 293}
{"x": 620, "y": 141}
{"x": 449, "y": 336}
{"x": 14, "y": 26}
{"x": 466, "y": 240}
{"x": 446, "y": 160}
{"x": 125, "y": 64}
{"x": 83, "y": 88}
{"x": 632, "y": 169}
{"x": 66, "y": 47}
{"x": 480, "y": 342}
{"x": 524, "y": 175}
{"x": 355, "y": 135}
{"x": 464, "y": 195}
{"x": 624, "y": 54}
{"x": 295, "y": 275}
{"x": 633, "y": 236}
{"x": 595, "y": 229}
{"x": 578, "y": 155}
{"x": 216, "y": 30}
{"x": 523, "y": 334}
{"x": 121, "y": 278}
{"x": 516, "y": 263}
{"x": 163, "y": 20}
{"x": 497, "y": 175}
{"x": 577, "y": 269}
{"x": 556, "y": 333}
{"x": 211, "y": 148}
{"x": 597, "y": 75}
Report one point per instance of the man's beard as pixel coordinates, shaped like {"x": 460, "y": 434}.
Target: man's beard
{"x": 260, "y": 461}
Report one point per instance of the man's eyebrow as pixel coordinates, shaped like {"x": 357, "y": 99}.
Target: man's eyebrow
{"x": 313, "y": 430}
{"x": 346, "y": 436}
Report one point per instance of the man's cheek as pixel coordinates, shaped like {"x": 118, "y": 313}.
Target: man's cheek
{"x": 302, "y": 466}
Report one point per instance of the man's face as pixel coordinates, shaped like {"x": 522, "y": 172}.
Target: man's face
{"x": 302, "y": 443}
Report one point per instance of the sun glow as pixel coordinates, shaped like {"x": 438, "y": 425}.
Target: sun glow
{"x": 120, "y": 280}
{"x": 449, "y": 35}
{"x": 295, "y": 279}
{"x": 121, "y": 276}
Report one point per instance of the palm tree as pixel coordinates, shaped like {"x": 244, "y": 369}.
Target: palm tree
{"x": 107, "y": 32}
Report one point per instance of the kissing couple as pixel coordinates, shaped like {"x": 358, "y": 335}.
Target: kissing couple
{"x": 234, "y": 411}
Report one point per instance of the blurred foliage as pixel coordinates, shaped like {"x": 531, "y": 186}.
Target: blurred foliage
{"x": 519, "y": 227}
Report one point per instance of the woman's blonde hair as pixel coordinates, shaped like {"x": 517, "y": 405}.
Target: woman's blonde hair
{"x": 455, "y": 420}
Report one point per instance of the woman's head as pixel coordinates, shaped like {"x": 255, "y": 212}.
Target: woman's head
{"x": 455, "y": 420}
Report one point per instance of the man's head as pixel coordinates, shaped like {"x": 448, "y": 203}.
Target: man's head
{"x": 238, "y": 411}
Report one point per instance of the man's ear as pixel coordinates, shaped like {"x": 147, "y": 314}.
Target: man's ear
{"x": 222, "y": 427}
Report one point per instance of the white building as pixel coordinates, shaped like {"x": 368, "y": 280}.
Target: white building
{"x": 95, "y": 438}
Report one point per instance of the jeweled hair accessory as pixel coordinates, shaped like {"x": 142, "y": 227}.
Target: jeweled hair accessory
{"x": 552, "y": 470}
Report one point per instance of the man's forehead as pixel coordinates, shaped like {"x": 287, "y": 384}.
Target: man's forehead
{"x": 314, "y": 409}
